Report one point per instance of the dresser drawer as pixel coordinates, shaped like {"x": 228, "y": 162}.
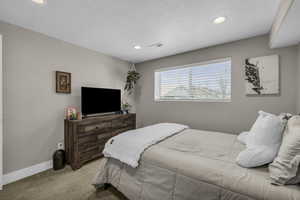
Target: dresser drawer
{"x": 92, "y": 154}
{"x": 90, "y": 128}
{"x": 99, "y": 141}
{"x": 99, "y": 138}
{"x": 122, "y": 130}
{"x": 122, "y": 123}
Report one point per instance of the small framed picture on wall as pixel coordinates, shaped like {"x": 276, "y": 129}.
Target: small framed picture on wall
{"x": 63, "y": 82}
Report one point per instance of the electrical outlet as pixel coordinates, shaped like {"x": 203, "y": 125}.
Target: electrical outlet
{"x": 60, "y": 145}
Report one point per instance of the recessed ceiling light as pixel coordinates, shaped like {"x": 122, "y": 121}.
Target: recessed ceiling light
{"x": 39, "y": 1}
{"x": 137, "y": 47}
{"x": 219, "y": 20}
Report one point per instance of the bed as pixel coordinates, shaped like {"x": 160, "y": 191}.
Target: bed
{"x": 193, "y": 165}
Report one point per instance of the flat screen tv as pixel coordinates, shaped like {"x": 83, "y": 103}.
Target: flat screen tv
{"x": 100, "y": 100}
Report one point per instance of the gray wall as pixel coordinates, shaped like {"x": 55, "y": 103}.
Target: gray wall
{"x": 298, "y": 85}
{"x": 231, "y": 117}
{"x": 33, "y": 112}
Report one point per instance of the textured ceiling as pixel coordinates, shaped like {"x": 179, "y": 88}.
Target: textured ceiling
{"x": 114, "y": 27}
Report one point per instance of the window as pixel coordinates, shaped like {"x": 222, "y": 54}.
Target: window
{"x": 208, "y": 81}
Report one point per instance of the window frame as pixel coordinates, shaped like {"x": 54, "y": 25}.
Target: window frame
{"x": 191, "y": 65}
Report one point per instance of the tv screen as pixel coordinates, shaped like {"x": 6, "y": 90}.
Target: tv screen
{"x": 100, "y": 100}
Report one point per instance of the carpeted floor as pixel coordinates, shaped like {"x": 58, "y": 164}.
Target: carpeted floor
{"x": 65, "y": 184}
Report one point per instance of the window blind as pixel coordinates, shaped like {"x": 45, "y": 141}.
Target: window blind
{"x": 209, "y": 81}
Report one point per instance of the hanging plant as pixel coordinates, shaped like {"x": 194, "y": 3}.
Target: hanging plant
{"x": 132, "y": 77}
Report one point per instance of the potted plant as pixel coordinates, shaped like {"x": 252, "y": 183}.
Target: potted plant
{"x": 126, "y": 107}
{"x": 132, "y": 77}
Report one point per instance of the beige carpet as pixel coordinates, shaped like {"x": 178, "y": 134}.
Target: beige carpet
{"x": 65, "y": 184}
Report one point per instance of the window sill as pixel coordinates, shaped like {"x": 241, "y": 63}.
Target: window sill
{"x": 195, "y": 100}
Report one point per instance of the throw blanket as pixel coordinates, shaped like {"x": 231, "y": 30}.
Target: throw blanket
{"x": 128, "y": 146}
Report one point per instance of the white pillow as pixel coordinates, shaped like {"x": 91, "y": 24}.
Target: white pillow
{"x": 267, "y": 130}
{"x": 257, "y": 156}
{"x": 263, "y": 141}
{"x": 242, "y": 137}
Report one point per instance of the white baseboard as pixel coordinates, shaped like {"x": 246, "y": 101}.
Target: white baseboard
{"x": 26, "y": 172}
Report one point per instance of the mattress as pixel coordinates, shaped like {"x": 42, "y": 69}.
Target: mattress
{"x": 192, "y": 164}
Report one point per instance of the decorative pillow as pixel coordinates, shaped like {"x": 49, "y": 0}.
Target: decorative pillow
{"x": 242, "y": 137}
{"x": 266, "y": 131}
{"x": 263, "y": 141}
{"x": 285, "y": 167}
{"x": 256, "y": 156}
{"x": 285, "y": 117}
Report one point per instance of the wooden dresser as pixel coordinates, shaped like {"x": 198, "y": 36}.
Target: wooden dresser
{"x": 85, "y": 139}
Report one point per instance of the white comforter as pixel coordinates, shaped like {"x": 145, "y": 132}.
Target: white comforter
{"x": 128, "y": 146}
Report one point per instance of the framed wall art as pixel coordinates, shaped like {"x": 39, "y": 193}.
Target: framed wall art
{"x": 63, "y": 82}
{"x": 262, "y": 75}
